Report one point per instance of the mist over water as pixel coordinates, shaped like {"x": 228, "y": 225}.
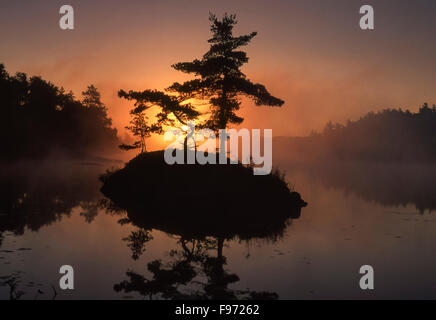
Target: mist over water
{"x": 52, "y": 213}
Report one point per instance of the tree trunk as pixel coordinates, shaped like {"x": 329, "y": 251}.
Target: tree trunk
{"x": 220, "y": 248}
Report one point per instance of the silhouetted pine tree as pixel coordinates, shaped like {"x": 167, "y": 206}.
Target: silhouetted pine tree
{"x": 219, "y": 82}
{"x": 173, "y": 111}
{"x": 219, "y": 78}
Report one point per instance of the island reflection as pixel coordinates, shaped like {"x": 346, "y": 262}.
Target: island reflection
{"x": 196, "y": 269}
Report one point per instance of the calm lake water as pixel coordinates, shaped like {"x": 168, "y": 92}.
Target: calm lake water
{"x": 356, "y": 215}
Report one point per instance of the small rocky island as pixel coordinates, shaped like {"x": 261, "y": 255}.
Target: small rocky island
{"x": 208, "y": 195}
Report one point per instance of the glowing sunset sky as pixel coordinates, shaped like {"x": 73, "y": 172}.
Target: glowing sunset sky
{"x": 310, "y": 53}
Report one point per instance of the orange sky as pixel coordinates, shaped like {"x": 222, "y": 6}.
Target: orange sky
{"x": 311, "y": 54}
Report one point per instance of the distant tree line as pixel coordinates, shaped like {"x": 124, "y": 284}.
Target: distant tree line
{"x": 37, "y": 118}
{"x": 391, "y": 135}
